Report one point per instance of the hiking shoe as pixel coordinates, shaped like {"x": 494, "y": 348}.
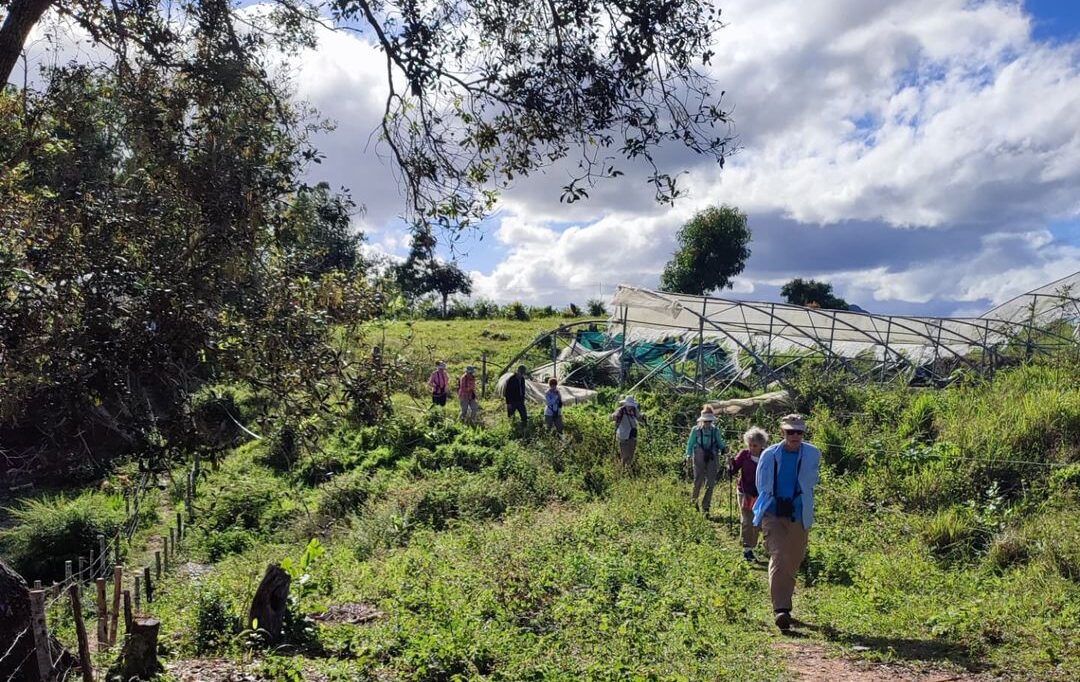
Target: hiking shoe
{"x": 783, "y": 620}
{"x": 748, "y": 554}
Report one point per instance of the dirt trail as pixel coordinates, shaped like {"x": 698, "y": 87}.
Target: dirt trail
{"x": 811, "y": 661}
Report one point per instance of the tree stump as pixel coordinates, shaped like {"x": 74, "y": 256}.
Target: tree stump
{"x": 270, "y": 604}
{"x": 20, "y": 665}
{"x": 138, "y": 659}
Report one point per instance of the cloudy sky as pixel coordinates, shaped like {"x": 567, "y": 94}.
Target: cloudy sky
{"x": 921, "y": 155}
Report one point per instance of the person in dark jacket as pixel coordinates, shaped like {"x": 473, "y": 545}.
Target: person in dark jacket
{"x": 514, "y": 394}
{"x": 745, "y": 466}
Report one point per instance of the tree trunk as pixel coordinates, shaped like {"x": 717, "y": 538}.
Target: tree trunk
{"x": 20, "y": 664}
{"x": 270, "y": 603}
{"x": 22, "y": 15}
{"x": 444, "y": 298}
{"x": 138, "y": 660}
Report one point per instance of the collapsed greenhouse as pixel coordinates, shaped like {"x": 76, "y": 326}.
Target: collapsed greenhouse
{"x": 703, "y": 343}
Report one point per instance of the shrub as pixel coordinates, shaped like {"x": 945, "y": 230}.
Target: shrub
{"x": 831, "y": 563}
{"x": 214, "y": 622}
{"x": 597, "y": 308}
{"x": 467, "y": 456}
{"x": 345, "y": 494}
{"x": 516, "y": 311}
{"x": 1065, "y": 482}
{"x": 230, "y": 541}
{"x": 917, "y": 421}
{"x": 255, "y": 501}
{"x": 954, "y": 533}
{"x": 51, "y": 530}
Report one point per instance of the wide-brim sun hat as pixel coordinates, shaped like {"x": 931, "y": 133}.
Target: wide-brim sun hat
{"x": 440, "y": 365}
{"x": 628, "y": 400}
{"x": 470, "y": 370}
{"x": 793, "y": 422}
{"x": 707, "y": 417}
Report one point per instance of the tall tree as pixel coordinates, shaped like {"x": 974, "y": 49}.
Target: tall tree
{"x": 447, "y": 279}
{"x": 812, "y": 294}
{"x": 713, "y": 248}
{"x": 480, "y": 92}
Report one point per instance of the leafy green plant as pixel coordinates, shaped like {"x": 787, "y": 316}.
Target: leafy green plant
{"x": 48, "y": 531}
{"x": 215, "y": 623}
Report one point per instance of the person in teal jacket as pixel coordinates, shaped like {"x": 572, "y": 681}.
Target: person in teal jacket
{"x": 705, "y": 447}
{"x": 787, "y": 474}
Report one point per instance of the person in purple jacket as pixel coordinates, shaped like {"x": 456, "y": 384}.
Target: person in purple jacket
{"x": 745, "y": 464}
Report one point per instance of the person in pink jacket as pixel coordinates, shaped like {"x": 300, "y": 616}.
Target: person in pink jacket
{"x": 439, "y": 382}
{"x": 470, "y": 407}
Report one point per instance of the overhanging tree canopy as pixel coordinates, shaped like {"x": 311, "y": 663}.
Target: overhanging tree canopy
{"x": 479, "y": 91}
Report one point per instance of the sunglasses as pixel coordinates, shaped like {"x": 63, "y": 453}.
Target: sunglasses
{"x": 793, "y": 431}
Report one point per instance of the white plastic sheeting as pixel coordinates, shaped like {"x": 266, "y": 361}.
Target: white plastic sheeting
{"x": 535, "y": 390}
{"x": 766, "y": 328}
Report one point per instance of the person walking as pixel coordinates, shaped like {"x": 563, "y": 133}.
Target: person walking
{"x": 514, "y": 394}
{"x": 470, "y": 408}
{"x": 705, "y": 446}
{"x": 787, "y": 474}
{"x": 439, "y": 382}
{"x": 745, "y": 465}
{"x": 626, "y": 420}
{"x": 553, "y": 407}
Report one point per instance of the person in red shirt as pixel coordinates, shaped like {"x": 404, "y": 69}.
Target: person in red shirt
{"x": 470, "y": 407}
{"x": 745, "y": 464}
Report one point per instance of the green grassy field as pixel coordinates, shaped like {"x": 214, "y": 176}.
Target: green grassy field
{"x": 946, "y": 538}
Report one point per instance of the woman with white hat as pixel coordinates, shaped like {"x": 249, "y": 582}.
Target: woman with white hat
{"x": 705, "y": 446}
{"x": 787, "y": 474}
{"x": 626, "y": 420}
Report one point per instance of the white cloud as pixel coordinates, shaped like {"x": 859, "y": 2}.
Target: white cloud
{"x": 928, "y": 144}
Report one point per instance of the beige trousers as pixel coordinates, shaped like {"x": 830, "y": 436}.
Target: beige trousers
{"x": 786, "y": 541}
{"x": 746, "y": 525}
{"x": 705, "y": 475}
{"x": 627, "y": 448}
{"x": 470, "y": 410}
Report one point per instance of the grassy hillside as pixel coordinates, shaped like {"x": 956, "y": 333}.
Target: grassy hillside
{"x": 946, "y": 537}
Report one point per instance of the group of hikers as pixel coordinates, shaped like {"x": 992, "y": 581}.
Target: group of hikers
{"x": 775, "y": 483}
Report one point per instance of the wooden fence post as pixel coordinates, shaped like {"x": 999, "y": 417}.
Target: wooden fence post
{"x": 138, "y": 593}
{"x": 116, "y": 551}
{"x": 165, "y": 550}
{"x": 67, "y": 571}
{"x": 172, "y": 541}
{"x": 102, "y": 616}
{"x": 41, "y": 634}
{"x": 103, "y": 556}
{"x": 82, "y": 568}
{"x": 37, "y": 584}
{"x": 148, "y": 585}
{"x": 179, "y": 526}
{"x": 157, "y": 562}
{"x": 80, "y": 632}
{"x": 118, "y": 578}
{"x": 128, "y": 615}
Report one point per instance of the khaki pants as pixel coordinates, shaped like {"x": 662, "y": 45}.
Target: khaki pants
{"x": 470, "y": 409}
{"x": 746, "y": 525}
{"x": 705, "y": 474}
{"x": 627, "y": 448}
{"x": 786, "y": 541}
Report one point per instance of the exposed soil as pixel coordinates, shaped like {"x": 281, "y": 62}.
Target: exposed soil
{"x": 352, "y": 613}
{"x": 812, "y": 661}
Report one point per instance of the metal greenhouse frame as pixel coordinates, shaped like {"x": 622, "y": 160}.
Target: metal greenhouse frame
{"x": 765, "y": 338}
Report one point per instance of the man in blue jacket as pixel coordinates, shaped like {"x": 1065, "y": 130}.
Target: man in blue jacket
{"x": 787, "y": 474}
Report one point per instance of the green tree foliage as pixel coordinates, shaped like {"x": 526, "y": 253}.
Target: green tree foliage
{"x": 480, "y": 92}
{"x": 155, "y": 239}
{"x": 813, "y": 294}
{"x": 713, "y": 248}
{"x": 446, "y": 279}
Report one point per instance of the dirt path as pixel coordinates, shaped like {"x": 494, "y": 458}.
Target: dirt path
{"x": 812, "y": 661}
